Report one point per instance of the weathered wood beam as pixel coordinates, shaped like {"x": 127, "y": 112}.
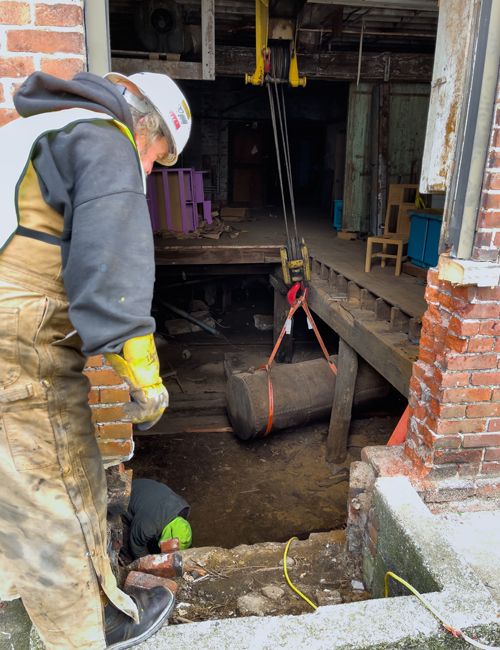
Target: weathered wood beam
{"x": 208, "y": 40}
{"x": 415, "y": 5}
{"x": 334, "y": 66}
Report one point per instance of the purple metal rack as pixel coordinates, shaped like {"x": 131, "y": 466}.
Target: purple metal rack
{"x": 181, "y": 196}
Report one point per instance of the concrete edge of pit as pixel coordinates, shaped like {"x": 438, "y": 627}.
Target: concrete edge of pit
{"x": 410, "y": 545}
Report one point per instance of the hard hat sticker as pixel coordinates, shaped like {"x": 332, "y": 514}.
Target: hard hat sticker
{"x": 182, "y": 115}
{"x": 175, "y": 120}
{"x": 186, "y": 108}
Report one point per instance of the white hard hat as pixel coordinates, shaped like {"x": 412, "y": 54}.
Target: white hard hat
{"x": 160, "y": 93}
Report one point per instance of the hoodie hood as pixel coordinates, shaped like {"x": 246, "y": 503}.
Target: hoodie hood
{"x": 42, "y": 93}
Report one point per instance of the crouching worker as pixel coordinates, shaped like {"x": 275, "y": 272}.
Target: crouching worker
{"x": 155, "y": 514}
{"x": 76, "y": 280}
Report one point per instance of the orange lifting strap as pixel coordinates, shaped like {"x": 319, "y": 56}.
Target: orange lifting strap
{"x": 295, "y": 304}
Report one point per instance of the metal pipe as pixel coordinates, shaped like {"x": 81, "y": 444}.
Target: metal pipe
{"x": 190, "y": 318}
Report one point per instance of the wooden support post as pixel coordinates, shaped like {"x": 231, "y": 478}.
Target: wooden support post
{"x": 341, "y": 285}
{"x": 332, "y": 279}
{"x": 400, "y": 322}
{"x": 315, "y": 267}
{"x": 281, "y": 309}
{"x": 414, "y": 330}
{"x": 325, "y": 272}
{"x": 353, "y": 291}
{"x": 347, "y": 369}
{"x": 208, "y": 39}
{"x": 367, "y": 300}
{"x": 382, "y": 310}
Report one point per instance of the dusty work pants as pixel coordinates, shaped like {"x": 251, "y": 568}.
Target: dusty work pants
{"x": 52, "y": 484}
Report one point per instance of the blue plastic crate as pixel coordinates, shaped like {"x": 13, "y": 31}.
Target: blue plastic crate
{"x": 424, "y": 238}
{"x": 337, "y": 214}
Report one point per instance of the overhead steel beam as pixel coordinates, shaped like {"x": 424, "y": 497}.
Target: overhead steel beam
{"x": 417, "y": 5}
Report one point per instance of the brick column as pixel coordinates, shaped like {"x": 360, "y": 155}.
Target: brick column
{"x": 454, "y": 425}
{"x": 38, "y": 36}
{"x": 106, "y": 396}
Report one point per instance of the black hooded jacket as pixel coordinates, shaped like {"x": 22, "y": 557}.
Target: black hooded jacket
{"x": 90, "y": 174}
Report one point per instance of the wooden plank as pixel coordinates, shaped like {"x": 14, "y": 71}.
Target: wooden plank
{"x": 341, "y": 66}
{"x": 347, "y": 370}
{"x": 353, "y": 291}
{"x": 218, "y": 255}
{"x": 399, "y": 321}
{"x": 281, "y": 310}
{"x": 382, "y": 309}
{"x": 190, "y": 424}
{"x": 370, "y": 338}
{"x": 414, "y": 270}
{"x": 325, "y": 272}
{"x": 332, "y": 279}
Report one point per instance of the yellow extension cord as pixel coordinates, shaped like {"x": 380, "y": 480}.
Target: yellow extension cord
{"x": 288, "y": 579}
{"x": 456, "y": 633}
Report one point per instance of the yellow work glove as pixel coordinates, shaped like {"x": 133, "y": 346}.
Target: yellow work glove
{"x": 140, "y": 369}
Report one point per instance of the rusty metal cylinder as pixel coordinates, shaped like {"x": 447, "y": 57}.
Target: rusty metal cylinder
{"x": 303, "y": 393}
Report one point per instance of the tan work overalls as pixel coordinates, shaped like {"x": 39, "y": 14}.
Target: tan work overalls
{"x": 52, "y": 483}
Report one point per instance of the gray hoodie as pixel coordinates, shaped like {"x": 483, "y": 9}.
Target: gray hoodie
{"x": 90, "y": 174}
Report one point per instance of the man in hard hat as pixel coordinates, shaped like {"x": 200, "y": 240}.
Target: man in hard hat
{"x": 155, "y": 514}
{"x": 76, "y": 279}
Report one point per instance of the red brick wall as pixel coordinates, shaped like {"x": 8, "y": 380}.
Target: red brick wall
{"x": 44, "y": 36}
{"x": 107, "y": 394}
{"x": 454, "y": 425}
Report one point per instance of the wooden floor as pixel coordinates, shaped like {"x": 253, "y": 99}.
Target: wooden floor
{"x": 260, "y": 245}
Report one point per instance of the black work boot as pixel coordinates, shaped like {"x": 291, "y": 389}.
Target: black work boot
{"x": 154, "y": 606}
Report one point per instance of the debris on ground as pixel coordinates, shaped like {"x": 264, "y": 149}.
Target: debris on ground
{"x": 205, "y": 230}
{"x": 263, "y": 322}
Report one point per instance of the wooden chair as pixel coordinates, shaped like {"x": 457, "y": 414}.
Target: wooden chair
{"x": 397, "y": 226}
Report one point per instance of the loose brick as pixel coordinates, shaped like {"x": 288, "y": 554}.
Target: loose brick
{"x": 170, "y": 545}
{"x": 107, "y": 414}
{"x": 46, "y": 42}
{"x": 459, "y": 456}
{"x": 480, "y": 344}
{"x": 453, "y": 379}
{"x": 166, "y": 565}
{"x": 449, "y": 427}
{"x": 445, "y": 412}
{"x": 488, "y": 220}
{"x": 488, "y": 293}
{"x": 14, "y": 13}
{"x": 7, "y": 115}
{"x": 432, "y": 294}
{"x": 476, "y": 310}
{"x": 492, "y": 454}
{"x": 104, "y": 377}
{"x": 484, "y": 254}
{"x": 490, "y": 201}
{"x": 93, "y": 397}
{"x": 116, "y": 447}
{"x": 426, "y": 356}
{"x": 121, "y": 431}
{"x": 474, "y": 362}
{"x": 62, "y": 68}
{"x": 456, "y": 344}
{"x": 138, "y": 580}
{"x": 490, "y": 469}
{"x": 435, "y": 441}
{"x": 94, "y": 362}
{"x": 60, "y": 15}
{"x": 464, "y": 328}
{"x": 16, "y": 66}
{"x": 114, "y": 395}
{"x": 446, "y": 301}
{"x": 483, "y": 440}
{"x": 490, "y": 328}
{"x": 459, "y": 395}
{"x": 483, "y": 410}
{"x": 426, "y": 341}
{"x": 432, "y": 276}
{"x": 482, "y": 239}
{"x": 485, "y": 379}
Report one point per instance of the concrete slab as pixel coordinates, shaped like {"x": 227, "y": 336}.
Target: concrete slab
{"x": 476, "y": 537}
